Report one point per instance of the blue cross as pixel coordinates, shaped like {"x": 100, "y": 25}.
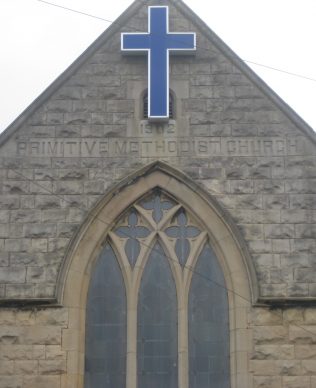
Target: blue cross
{"x": 158, "y": 43}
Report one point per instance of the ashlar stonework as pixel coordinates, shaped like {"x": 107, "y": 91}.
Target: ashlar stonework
{"x": 235, "y": 155}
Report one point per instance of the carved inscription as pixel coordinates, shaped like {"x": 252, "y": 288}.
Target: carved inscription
{"x": 159, "y": 147}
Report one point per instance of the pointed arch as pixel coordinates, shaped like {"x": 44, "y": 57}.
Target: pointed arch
{"x": 223, "y": 236}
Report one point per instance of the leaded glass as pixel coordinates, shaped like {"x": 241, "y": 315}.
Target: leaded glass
{"x": 105, "y": 354}
{"x": 158, "y": 205}
{"x": 182, "y": 232}
{"x": 208, "y": 325}
{"x": 132, "y": 232}
{"x": 157, "y": 325}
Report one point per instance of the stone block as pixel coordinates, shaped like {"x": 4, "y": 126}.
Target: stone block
{"x": 35, "y": 275}
{"x": 277, "y": 201}
{"x": 283, "y": 275}
{"x": 241, "y": 187}
{"x": 54, "y": 352}
{"x": 53, "y": 119}
{"x": 4, "y": 216}
{"x": 54, "y": 215}
{"x": 302, "y": 201}
{"x": 269, "y": 186}
{"x": 68, "y": 187}
{"x": 300, "y": 186}
{"x": 26, "y": 367}
{"x": 39, "y": 230}
{"x": 296, "y": 382}
{"x": 72, "y": 174}
{"x": 270, "y": 335}
{"x": 8, "y": 381}
{"x": 4, "y": 259}
{"x": 47, "y": 202}
{"x": 41, "y": 382}
{"x": 4, "y": 231}
{"x": 66, "y": 230}
{"x": 6, "y": 367}
{"x": 57, "y": 244}
{"x": 279, "y": 231}
{"x": 273, "y": 290}
{"x": 310, "y": 315}
{"x": 12, "y": 274}
{"x": 19, "y": 291}
{"x": 296, "y": 216}
{"x": 25, "y": 216}
{"x": 77, "y": 118}
{"x": 264, "y": 316}
{"x": 305, "y": 275}
{"x": 17, "y": 245}
{"x": 16, "y": 187}
{"x": 263, "y": 367}
{"x": 260, "y": 246}
{"x": 267, "y": 260}
{"x": 305, "y": 352}
{"x": 309, "y": 367}
{"x": 39, "y": 245}
{"x": 273, "y": 352}
{"x": 289, "y": 367}
{"x": 305, "y": 231}
{"x": 58, "y": 106}
{"x": 298, "y": 290}
{"x": 252, "y": 231}
{"x": 267, "y": 382}
{"x": 52, "y": 317}
{"x": 94, "y": 187}
{"x": 52, "y": 367}
{"x": 281, "y": 246}
{"x": 295, "y": 260}
{"x": 303, "y": 246}
{"x": 302, "y": 334}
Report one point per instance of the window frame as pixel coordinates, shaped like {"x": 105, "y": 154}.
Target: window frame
{"x": 227, "y": 242}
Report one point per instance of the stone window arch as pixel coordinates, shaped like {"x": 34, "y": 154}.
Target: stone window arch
{"x": 175, "y": 312}
{"x": 217, "y": 235}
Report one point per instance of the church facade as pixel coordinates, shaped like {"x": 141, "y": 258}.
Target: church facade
{"x": 158, "y": 220}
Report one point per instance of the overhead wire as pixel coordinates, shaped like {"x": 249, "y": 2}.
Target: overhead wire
{"x": 97, "y": 217}
{"x": 107, "y": 224}
{"x": 197, "y": 46}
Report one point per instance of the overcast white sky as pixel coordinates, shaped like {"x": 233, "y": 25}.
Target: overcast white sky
{"x": 38, "y": 42}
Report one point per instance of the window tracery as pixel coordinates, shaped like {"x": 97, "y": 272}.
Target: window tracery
{"x": 158, "y": 245}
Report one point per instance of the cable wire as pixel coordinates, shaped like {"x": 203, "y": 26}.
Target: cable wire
{"x": 165, "y": 255}
{"x": 197, "y": 46}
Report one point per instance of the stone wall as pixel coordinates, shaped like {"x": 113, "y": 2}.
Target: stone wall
{"x": 229, "y": 136}
{"x": 36, "y": 347}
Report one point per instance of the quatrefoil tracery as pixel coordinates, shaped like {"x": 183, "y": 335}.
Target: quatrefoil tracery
{"x": 156, "y": 216}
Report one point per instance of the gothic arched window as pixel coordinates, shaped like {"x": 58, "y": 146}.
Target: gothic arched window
{"x": 157, "y": 311}
{"x": 171, "y": 105}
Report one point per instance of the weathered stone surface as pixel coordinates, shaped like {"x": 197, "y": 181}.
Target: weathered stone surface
{"x": 273, "y": 334}
{"x": 267, "y": 382}
{"x": 296, "y": 382}
{"x": 227, "y": 137}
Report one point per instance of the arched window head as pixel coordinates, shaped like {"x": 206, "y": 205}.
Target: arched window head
{"x": 171, "y": 105}
{"x": 157, "y": 311}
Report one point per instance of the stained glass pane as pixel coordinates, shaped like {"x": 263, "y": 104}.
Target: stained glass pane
{"x": 132, "y": 232}
{"x": 208, "y": 325}
{"x": 182, "y": 233}
{"x": 158, "y": 205}
{"x": 157, "y": 325}
{"x": 105, "y": 353}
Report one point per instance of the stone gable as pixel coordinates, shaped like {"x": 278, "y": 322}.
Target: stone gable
{"x": 231, "y": 136}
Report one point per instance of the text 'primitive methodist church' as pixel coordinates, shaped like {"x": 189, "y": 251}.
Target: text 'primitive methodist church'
{"x": 158, "y": 220}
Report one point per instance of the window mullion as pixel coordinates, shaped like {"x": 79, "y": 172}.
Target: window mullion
{"x": 131, "y": 359}
{"x": 183, "y": 343}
